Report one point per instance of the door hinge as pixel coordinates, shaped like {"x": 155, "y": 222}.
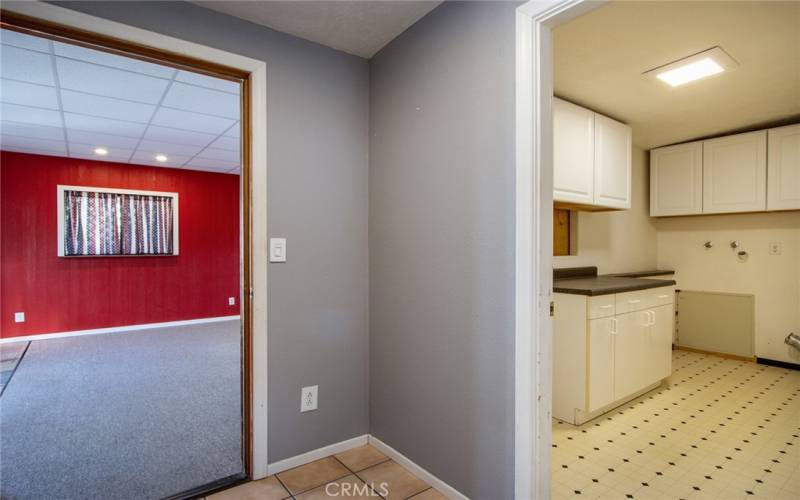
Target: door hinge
{"x": 252, "y": 292}
{"x": 552, "y": 308}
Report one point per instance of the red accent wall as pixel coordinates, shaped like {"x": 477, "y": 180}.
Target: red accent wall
{"x": 61, "y": 294}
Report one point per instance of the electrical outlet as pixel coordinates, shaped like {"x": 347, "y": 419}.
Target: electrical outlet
{"x": 231, "y": 301}
{"x": 308, "y": 398}
{"x": 19, "y": 317}
{"x": 775, "y": 248}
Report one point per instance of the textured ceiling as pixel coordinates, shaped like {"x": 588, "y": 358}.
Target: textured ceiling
{"x": 361, "y": 28}
{"x": 65, "y": 100}
{"x": 600, "y": 57}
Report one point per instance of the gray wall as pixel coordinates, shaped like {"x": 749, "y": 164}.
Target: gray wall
{"x": 442, "y": 245}
{"x": 318, "y": 178}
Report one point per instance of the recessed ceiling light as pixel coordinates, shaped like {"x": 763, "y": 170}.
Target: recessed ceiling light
{"x": 695, "y": 67}
{"x": 161, "y": 158}
{"x": 100, "y": 151}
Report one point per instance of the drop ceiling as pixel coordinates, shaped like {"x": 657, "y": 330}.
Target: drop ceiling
{"x": 66, "y": 100}
{"x": 360, "y": 28}
{"x": 600, "y": 57}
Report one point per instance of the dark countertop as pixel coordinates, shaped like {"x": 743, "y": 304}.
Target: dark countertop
{"x": 643, "y": 274}
{"x": 585, "y": 281}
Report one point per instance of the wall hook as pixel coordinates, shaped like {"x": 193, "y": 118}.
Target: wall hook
{"x": 708, "y": 244}
{"x": 735, "y": 244}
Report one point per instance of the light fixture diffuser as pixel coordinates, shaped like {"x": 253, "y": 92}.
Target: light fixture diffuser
{"x": 161, "y": 158}
{"x": 100, "y": 151}
{"x": 692, "y": 68}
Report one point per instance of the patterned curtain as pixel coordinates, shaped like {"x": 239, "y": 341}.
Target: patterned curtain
{"x": 98, "y": 223}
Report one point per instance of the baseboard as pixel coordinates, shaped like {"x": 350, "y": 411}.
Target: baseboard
{"x": 115, "y": 329}
{"x": 779, "y": 364}
{"x": 310, "y": 456}
{"x": 442, "y": 487}
{"x": 737, "y": 357}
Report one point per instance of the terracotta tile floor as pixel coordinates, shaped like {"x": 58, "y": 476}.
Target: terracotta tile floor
{"x": 360, "y": 473}
{"x": 719, "y": 429}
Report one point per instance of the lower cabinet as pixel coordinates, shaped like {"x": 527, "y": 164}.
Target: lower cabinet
{"x": 609, "y": 349}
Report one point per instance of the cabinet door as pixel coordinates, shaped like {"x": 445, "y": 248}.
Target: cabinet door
{"x": 630, "y": 347}
{"x": 601, "y": 362}
{"x": 783, "y": 168}
{"x": 676, "y": 180}
{"x": 735, "y": 173}
{"x": 573, "y": 146}
{"x": 662, "y": 331}
{"x": 612, "y": 163}
{"x": 659, "y": 344}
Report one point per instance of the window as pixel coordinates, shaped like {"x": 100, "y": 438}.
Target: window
{"x": 99, "y": 222}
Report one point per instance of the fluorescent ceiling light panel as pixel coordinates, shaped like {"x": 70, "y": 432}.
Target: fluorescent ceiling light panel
{"x": 695, "y": 67}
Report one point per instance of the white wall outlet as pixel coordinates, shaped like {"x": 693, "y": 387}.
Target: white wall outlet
{"x": 19, "y": 317}
{"x": 277, "y": 249}
{"x": 308, "y": 398}
{"x": 775, "y": 248}
{"x": 231, "y": 301}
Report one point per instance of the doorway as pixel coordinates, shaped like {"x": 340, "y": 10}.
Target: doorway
{"x": 235, "y": 337}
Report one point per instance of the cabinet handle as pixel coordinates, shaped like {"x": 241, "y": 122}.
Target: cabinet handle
{"x": 652, "y": 314}
{"x": 633, "y": 301}
{"x": 613, "y": 326}
{"x": 607, "y": 306}
{"x": 663, "y": 296}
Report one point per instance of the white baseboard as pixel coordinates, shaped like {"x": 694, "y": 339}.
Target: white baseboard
{"x": 115, "y": 329}
{"x": 442, "y": 487}
{"x": 310, "y": 456}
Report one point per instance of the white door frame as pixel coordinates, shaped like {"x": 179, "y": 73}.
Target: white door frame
{"x": 534, "y": 240}
{"x": 258, "y": 125}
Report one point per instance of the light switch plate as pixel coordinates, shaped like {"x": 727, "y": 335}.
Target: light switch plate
{"x": 308, "y": 398}
{"x": 19, "y": 317}
{"x": 277, "y": 249}
{"x": 231, "y": 301}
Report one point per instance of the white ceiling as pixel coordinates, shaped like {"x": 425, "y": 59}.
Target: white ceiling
{"x": 600, "y": 57}
{"x": 357, "y": 27}
{"x": 67, "y": 100}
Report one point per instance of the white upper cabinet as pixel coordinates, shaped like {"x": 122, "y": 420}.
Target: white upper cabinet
{"x": 676, "y": 180}
{"x": 735, "y": 173}
{"x": 591, "y": 158}
{"x": 573, "y": 141}
{"x": 783, "y": 168}
{"x": 612, "y": 163}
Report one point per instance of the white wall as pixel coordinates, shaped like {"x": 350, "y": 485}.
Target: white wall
{"x": 773, "y": 279}
{"x": 618, "y": 241}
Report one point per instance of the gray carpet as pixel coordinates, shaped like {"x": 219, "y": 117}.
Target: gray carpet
{"x": 128, "y": 415}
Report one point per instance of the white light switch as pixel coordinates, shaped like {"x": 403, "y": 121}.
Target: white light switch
{"x": 277, "y": 249}
{"x": 308, "y": 398}
{"x": 19, "y": 317}
{"x": 231, "y": 301}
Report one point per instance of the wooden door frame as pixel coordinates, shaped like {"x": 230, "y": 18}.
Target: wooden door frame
{"x": 58, "y": 23}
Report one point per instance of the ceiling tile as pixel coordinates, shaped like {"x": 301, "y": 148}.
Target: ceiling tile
{"x": 146, "y": 158}
{"x": 113, "y": 60}
{"x": 24, "y": 143}
{"x": 103, "y": 125}
{"x": 27, "y": 114}
{"x": 28, "y": 94}
{"x": 202, "y": 100}
{"x": 175, "y": 136}
{"x": 208, "y": 82}
{"x": 219, "y": 154}
{"x": 26, "y": 65}
{"x": 34, "y": 131}
{"x": 169, "y": 148}
{"x": 87, "y": 151}
{"x": 195, "y": 122}
{"x": 85, "y": 77}
{"x": 105, "y": 140}
{"x": 24, "y": 41}
{"x": 217, "y": 165}
{"x": 224, "y": 142}
{"x": 234, "y": 131}
{"x": 106, "y": 107}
